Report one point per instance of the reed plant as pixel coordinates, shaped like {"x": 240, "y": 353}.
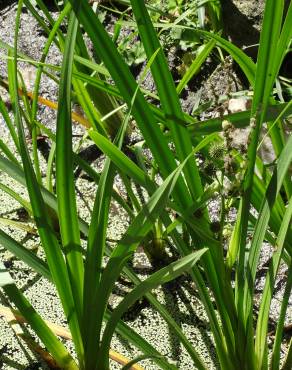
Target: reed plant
{"x": 222, "y": 266}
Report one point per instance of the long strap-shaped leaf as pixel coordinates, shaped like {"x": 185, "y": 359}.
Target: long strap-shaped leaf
{"x": 97, "y": 241}
{"x": 168, "y": 96}
{"x": 270, "y": 24}
{"x": 273, "y": 190}
{"x": 261, "y": 95}
{"x": 275, "y": 362}
{"x": 95, "y": 252}
{"x": 45, "y": 52}
{"x": 96, "y": 244}
{"x": 281, "y": 45}
{"x": 68, "y": 218}
{"x": 160, "y": 277}
{"x": 262, "y": 322}
{"x": 49, "y": 241}
{"x": 9, "y": 123}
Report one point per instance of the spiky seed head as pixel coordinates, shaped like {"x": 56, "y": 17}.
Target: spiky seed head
{"x": 217, "y": 150}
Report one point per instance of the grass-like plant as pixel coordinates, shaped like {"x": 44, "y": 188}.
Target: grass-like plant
{"x": 223, "y": 269}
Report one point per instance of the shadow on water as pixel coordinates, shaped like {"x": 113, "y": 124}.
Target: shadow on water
{"x": 180, "y": 290}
